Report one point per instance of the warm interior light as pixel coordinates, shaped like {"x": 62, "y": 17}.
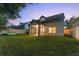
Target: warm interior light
{"x": 34, "y": 29}
{"x": 52, "y": 29}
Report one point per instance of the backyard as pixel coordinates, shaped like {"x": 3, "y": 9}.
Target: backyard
{"x": 24, "y": 45}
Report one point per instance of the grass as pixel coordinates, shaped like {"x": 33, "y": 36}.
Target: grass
{"x": 24, "y": 45}
{"x": 12, "y": 34}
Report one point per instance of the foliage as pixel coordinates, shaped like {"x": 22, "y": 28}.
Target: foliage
{"x": 41, "y": 46}
{"x": 3, "y": 21}
{"x": 66, "y": 23}
{"x": 11, "y": 10}
{"x": 72, "y": 21}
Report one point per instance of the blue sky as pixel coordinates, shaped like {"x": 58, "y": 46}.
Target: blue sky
{"x": 47, "y": 9}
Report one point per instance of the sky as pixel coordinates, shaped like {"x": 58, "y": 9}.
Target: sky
{"x": 47, "y": 9}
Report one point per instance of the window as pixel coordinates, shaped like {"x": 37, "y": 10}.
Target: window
{"x": 33, "y": 30}
{"x": 52, "y": 29}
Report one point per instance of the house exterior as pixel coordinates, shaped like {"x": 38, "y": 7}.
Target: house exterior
{"x": 74, "y": 28}
{"x": 50, "y": 26}
{"x": 20, "y": 29}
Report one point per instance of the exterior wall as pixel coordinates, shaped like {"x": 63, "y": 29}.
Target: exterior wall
{"x": 75, "y": 32}
{"x": 45, "y": 29}
{"x": 71, "y": 32}
{"x": 25, "y": 27}
{"x": 21, "y": 31}
{"x": 59, "y": 28}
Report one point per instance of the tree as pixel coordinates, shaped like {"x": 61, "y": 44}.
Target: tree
{"x": 72, "y": 21}
{"x": 66, "y": 23}
{"x": 3, "y": 21}
{"x": 10, "y": 11}
{"x": 39, "y": 23}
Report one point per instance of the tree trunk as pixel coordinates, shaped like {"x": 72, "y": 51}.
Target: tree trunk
{"x": 39, "y": 29}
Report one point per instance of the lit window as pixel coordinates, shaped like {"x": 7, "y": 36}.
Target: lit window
{"x": 52, "y": 29}
{"x": 33, "y": 30}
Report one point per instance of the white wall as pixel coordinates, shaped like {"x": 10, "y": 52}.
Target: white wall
{"x": 77, "y": 32}
{"x": 59, "y": 27}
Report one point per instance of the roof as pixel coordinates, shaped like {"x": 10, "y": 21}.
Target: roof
{"x": 21, "y": 26}
{"x": 54, "y": 18}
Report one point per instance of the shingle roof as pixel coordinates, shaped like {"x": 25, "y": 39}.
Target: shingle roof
{"x": 53, "y": 18}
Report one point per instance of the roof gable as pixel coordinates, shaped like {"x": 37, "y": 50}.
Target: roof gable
{"x": 55, "y": 18}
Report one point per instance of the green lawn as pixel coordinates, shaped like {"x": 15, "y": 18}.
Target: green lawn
{"x": 38, "y": 46}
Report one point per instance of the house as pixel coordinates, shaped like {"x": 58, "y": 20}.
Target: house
{"x": 15, "y": 29}
{"x": 19, "y": 29}
{"x": 74, "y": 28}
{"x": 52, "y": 25}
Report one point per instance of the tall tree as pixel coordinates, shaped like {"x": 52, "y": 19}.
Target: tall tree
{"x": 39, "y": 23}
{"x": 72, "y": 21}
{"x": 10, "y": 11}
{"x": 66, "y": 23}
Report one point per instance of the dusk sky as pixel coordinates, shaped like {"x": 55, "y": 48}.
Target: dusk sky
{"x": 47, "y": 9}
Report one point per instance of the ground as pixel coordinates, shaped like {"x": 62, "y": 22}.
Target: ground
{"x": 24, "y": 45}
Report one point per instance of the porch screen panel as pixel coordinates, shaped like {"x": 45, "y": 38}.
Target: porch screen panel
{"x": 33, "y": 30}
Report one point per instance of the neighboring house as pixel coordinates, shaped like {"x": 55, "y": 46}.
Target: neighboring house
{"x": 15, "y": 30}
{"x": 26, "y": 27}
{"x": 75, "y": 28}
{"x": 20, "y": 29}
{"x": 52, "y": 25}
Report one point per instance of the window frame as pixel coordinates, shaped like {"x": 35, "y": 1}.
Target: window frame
{"x": 52, "y": 29}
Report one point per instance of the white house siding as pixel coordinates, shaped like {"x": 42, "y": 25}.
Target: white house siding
{"x": 59, "y": 27}
{"x": 77, "y": 32}
{"x": 71, "y": 31}
{"x": 74, "y": 32}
